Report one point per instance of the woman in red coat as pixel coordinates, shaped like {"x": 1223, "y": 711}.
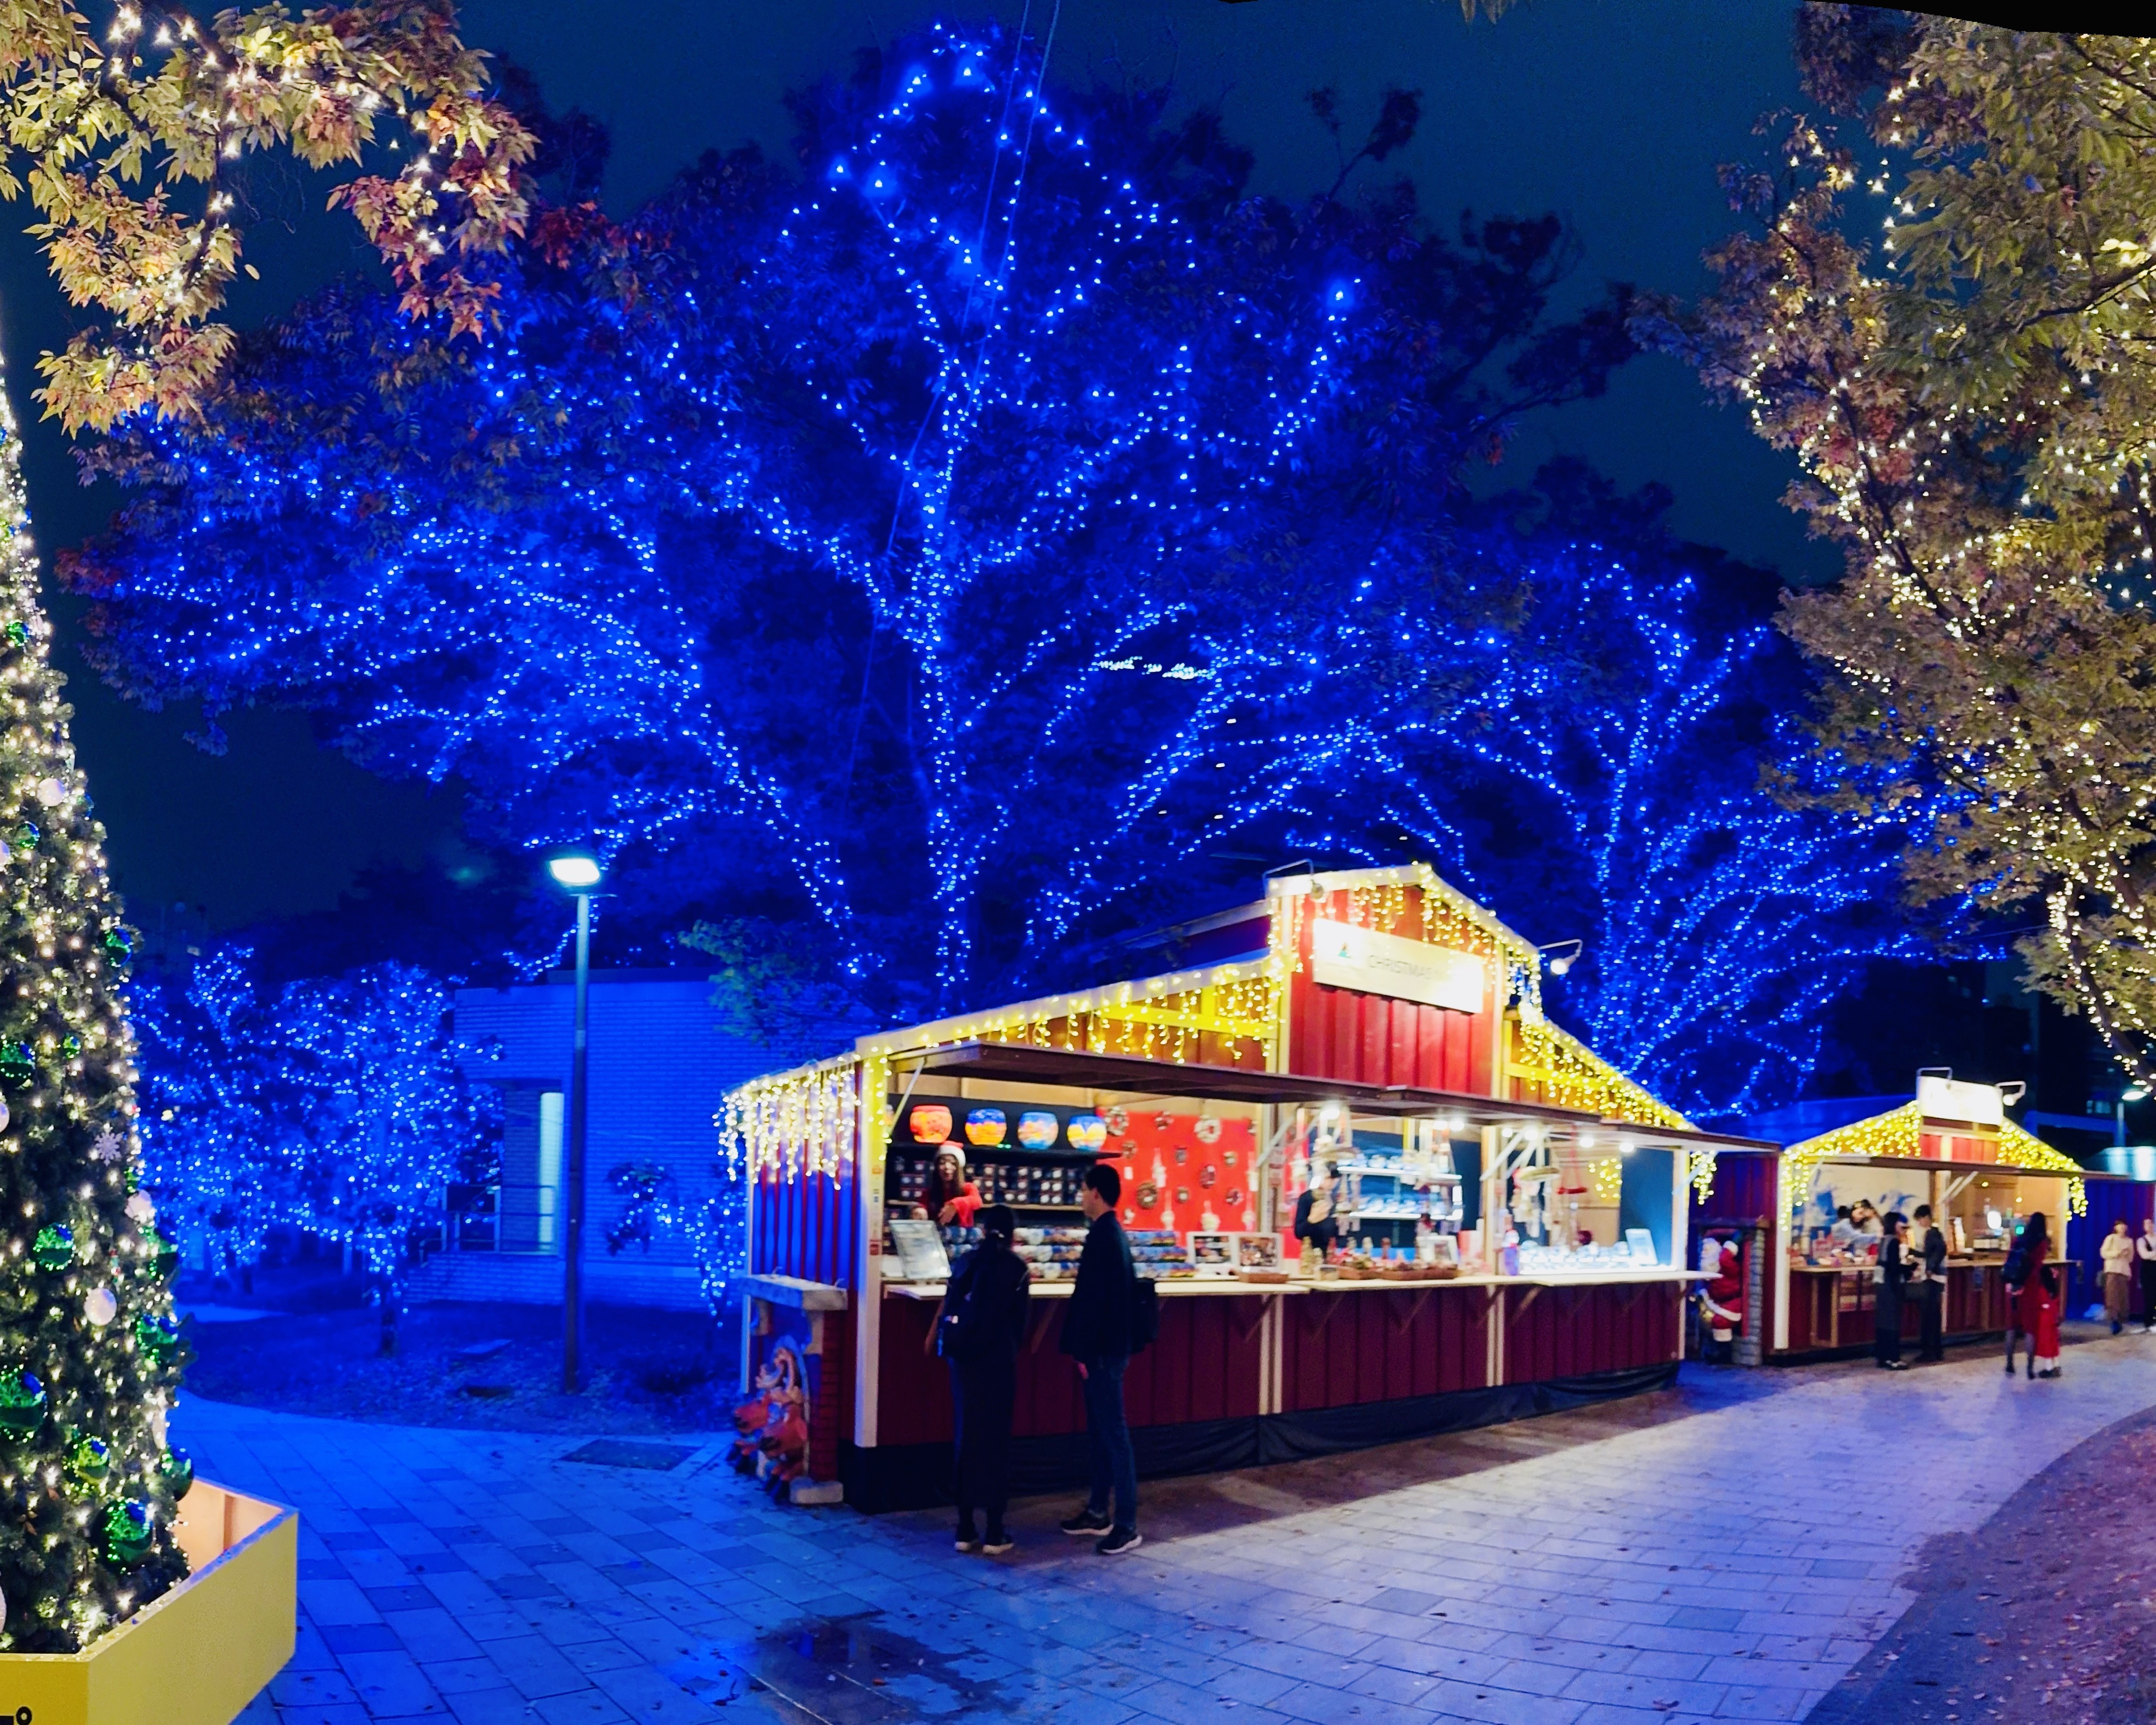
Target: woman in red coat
{"x": 2037, "y": 1301}
{"x": 951, "y": 1199}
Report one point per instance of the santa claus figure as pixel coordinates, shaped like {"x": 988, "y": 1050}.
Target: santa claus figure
{"x": 1721, "y": 1300}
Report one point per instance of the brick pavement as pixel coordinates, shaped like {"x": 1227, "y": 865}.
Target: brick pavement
{"x": 1730, "y": 1564}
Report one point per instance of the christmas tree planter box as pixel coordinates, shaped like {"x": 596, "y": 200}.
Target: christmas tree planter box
{"x": 198, "y": 1655}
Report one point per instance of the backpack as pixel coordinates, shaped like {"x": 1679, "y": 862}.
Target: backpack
{"x": 2016, "y": 1273}
{"x": 962, "y": 1332}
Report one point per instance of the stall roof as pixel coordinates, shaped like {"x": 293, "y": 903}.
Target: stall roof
{"x": 1856, "y": 1160}
{"x": 1073, "y": 1069}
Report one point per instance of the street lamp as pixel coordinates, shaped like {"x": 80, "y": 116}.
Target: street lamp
{"x": 577, "y": 873}
{"x": 2131, "y": 1093}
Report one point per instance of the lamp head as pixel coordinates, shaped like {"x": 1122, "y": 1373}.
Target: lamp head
{"x": 575, "y": 870}
{"x": 2134, "y": 1093}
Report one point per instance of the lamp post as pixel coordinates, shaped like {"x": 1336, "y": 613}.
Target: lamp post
{"x": 2131, "y": 1093}
{"x": 577, "y": 873}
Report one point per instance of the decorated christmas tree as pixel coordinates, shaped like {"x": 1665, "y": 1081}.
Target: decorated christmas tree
{"x": 89, "y": 1356}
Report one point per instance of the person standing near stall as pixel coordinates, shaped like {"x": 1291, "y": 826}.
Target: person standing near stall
{"x": 979, "y": 1329}
{"x": 1891, "y": 1276}
{"x": 2118, "y": 1254}
{"x": 1096, "y": 1333}
{"x": 2144, "y": 1254}
{"x": 950, "y": 1199}
{"x": 1929, "y": 1247}
{"x": 1317, "y": 1220}
{"x": 2031, "y": 1286}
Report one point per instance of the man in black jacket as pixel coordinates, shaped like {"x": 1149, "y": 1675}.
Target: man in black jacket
{"x": 1930, "y": 1286}
{"x": 1096, "y": 1333}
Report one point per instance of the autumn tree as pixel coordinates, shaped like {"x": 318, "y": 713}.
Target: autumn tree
{"x": 1943, "y": 307}
{"x": 125, "y": 140}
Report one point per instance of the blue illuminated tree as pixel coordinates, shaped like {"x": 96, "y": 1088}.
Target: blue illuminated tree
{"x": 941, "y": 554}
{"x": 1623, "y": 787}
{"x": 343, "y": 1106}
{"x": 215, "y": 1147}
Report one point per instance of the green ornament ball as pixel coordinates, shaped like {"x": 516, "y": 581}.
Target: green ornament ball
{"x": 53, "y": 1248}
{"x": 127, "y": 1532}
{"x": 27, "y": 835}
{"x": 156, "y": 1337}
{"x": 18, "y": 633}
{"x": 176, "y": 1473}
{"x": 18, "y": 1066}
{"x": 21, "y": 1405}
{"x": 164, "y": 1256}
{"x": 89, "y": 1461}
{"x": 119, "y": 947}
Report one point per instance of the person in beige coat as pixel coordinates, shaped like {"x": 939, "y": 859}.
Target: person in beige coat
{"x": 2117, "y": 1276}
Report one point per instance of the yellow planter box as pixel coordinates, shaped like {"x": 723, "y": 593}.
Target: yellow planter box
{"x": 199, "y": 1655}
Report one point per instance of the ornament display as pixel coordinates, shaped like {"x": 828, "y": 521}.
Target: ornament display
{"x": 101, "y": 1306}
{"x": 156, "y": 1337}
{"x": 929, "y": 1121}
{"x": 1036, "y": 1130}
{"x": 128, "y": 1532}
{"x": 1086, "y": 1131}
{"x": 985, "y": 1126}
{"x": 21, "y": 1405}
{"x": 53, "y": 1248}
{"x": 106, "y": 1148}
{"x": 176, "y": 1473}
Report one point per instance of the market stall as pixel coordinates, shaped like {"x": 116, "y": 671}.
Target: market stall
{"x": 1512, "y": 1210}
{"x": 1952, "y": 1146}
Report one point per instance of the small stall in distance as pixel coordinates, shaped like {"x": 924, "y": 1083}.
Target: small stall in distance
{"x": 1951, "y": 1147}
{"x": 1514, "y": 1209}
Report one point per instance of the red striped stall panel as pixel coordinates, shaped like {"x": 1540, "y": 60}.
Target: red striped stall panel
{"x": 1204, "y": 1366}
{"x": 805, "y": 1226}
{"x": 1562, "y": 1332}
{"x": 1338, "y": 1349}
{"x": 1373, "y": 1039}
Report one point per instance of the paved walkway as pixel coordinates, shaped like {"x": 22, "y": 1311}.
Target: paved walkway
{"x": 1662, "y": 1559}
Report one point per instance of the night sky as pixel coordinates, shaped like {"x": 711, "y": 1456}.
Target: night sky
{"x": 1614, "y": 116}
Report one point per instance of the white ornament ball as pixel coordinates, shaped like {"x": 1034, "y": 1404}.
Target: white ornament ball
{"x": 6, "y": 851}
{"x": 140, "y": 1210}
{"x": 51, "y": 791}
{"x": 100, "y": 1306}
{"x": 4, "y": 1114}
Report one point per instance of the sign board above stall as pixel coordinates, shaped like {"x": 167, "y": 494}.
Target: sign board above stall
{"x": 1956, "y": 1099}
{"x": 1344, "y": 956}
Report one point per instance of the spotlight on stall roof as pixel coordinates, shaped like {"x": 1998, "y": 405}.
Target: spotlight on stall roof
{"x": 574, "y": 870}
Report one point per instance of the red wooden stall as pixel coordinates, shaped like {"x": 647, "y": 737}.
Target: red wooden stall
{"x": 1377, "y": 1020}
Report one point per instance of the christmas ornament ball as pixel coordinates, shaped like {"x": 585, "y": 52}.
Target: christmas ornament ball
{"x": 127, "y": 1532}
{"x": 156, "y": 1337}
{"x": 21, "y": 1405}
{"x": 53, "y": 1248}
{"x": 101, "y": 1306}
{"x": 176, "y": 1470}
{"x": 51, "y": 793}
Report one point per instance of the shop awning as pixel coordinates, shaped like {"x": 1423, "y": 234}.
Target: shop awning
{"x": 1072, "y": 1069}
